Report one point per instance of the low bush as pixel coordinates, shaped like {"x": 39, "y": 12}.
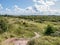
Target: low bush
{"x": 49, "y": 30}
{"x": 3, "y": 26}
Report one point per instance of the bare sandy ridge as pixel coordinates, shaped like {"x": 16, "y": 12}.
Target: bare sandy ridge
{"x": 21, "y": 41}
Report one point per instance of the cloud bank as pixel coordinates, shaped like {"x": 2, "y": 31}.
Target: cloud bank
{"x": 40, "y": 7}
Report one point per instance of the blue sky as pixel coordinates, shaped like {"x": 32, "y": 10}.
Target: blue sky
{"x": 30, "y": 7}
{"x": 20, "y": 3}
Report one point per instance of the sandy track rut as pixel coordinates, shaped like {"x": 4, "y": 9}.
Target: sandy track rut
{"x": 21, "y": 41}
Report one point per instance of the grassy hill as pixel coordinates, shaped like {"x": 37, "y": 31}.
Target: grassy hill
{"x": 25, "y": 26}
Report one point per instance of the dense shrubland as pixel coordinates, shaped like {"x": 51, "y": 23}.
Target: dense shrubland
{"x": 25, "y": 26}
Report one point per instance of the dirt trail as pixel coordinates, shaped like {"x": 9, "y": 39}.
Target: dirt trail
{"x": 21, "y": 41}
{"x": 36, "y": 35}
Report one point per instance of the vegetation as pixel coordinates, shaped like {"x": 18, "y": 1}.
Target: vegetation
{"x": 3, "y": 26}
{"x": 49, "y": 30}
{"x": 25, "y": 26}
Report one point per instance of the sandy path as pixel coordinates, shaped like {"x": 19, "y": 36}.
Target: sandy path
{"x": 21, "y": 41}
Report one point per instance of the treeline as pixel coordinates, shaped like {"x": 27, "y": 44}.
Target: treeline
{"x": 37, "y": 18}
{"x": 42, "y": 18}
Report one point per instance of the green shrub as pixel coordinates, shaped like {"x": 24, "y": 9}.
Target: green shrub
{"x": 56, "y": 33}
{"x": 3, "y": 26}
{"x": 49, "y": 30}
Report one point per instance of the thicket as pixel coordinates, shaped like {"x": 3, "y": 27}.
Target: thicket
{"x": 49, "y": 30}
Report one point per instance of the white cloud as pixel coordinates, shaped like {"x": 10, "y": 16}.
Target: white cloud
{"x": 31, "y": 10}
{"x": 34, "y": 0}
{"x": 48, "y": 3}
{"x": 40, "y": 7}
{"x": 45, "y": 2}
{"x": 53, "y": 0}
{"x": 1, "y": 7}
{"x": 27, "y": 10}
{"x": 16, "y": 8}
{"x": 7, "y": 9}
{"x": 41, "y": 1}
{"x": 45, "y": 6}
